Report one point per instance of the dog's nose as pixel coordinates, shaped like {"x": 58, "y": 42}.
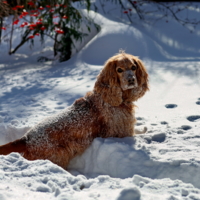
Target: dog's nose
{"x": 131, "y": 80}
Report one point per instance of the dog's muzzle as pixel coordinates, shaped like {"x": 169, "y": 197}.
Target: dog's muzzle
{"x": 129, "y": 80}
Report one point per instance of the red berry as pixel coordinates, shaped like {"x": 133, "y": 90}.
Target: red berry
{"x": 42, "y": 28}
{"x": 38, "y": 23}
{"x": 24, "y": 24}
{"x": 16, "y": 22}
{"x": 41, "y": 8}
{"x": 59, "y": 31}
{"x": 31, "y": 36}
{"x": 32, "y": 25}
{"x": 20, "y": 6}
{"x": 30, "y": 3}
{"x": 35, "y": 14}
{"x": 14, "y": 8}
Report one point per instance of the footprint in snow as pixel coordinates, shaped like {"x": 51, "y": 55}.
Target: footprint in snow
{"x": 139, "y": 118}
{"x": 198, "y": 102}
{"x": 170, "y": 105}
{"x": 180, "y": 132}
{"x": 160, "y": 137}
{"x": 60, "y": 107}
{"x": 193, "y": 118}
{"x": 139, "y": 124}
{"x": 164, "y": 122}
{"x": 139, "y": 121}
{"x": 154, "y": 124}
{"x": 185, "y": 127}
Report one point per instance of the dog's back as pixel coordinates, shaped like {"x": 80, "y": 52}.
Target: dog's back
{"x": 58, "y": 138}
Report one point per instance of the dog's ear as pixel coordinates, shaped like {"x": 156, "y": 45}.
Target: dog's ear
{"x": 108, "y": 85}
{"x": 142, "y": 75}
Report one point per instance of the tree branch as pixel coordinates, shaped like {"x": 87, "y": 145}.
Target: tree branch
{"x": 21, "y": 43}
{"x": 136, "y": 9}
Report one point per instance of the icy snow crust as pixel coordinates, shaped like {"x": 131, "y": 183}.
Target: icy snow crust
{"x": 162, "y": 164}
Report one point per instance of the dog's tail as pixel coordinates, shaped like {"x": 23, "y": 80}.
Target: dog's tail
{"x": 18, "y": 146}
{"x": 141, "y": 131}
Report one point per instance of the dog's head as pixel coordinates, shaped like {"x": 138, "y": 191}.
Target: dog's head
{"x": 123, "y": 79}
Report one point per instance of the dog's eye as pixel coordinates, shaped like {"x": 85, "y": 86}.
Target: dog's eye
{"x": 133, "y": 67}
{"x": 119, "y": 70}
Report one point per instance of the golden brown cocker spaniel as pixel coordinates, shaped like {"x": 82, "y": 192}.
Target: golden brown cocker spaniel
{"x": 107, "y": 111}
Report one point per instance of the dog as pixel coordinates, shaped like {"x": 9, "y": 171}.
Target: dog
{"x": 107, "y": 111}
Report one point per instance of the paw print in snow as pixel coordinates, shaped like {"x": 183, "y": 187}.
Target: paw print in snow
{"x": 194, "y": 118}
{"x": 170, "y": 105}
{"x": 198, "y": 102}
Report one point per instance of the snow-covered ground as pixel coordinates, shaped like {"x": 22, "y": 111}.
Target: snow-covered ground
{"x": 162, "y": 164}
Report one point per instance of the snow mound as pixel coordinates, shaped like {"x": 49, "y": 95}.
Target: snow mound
{"x": 125, "y": 157}
{"x": 39, "y": 180}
